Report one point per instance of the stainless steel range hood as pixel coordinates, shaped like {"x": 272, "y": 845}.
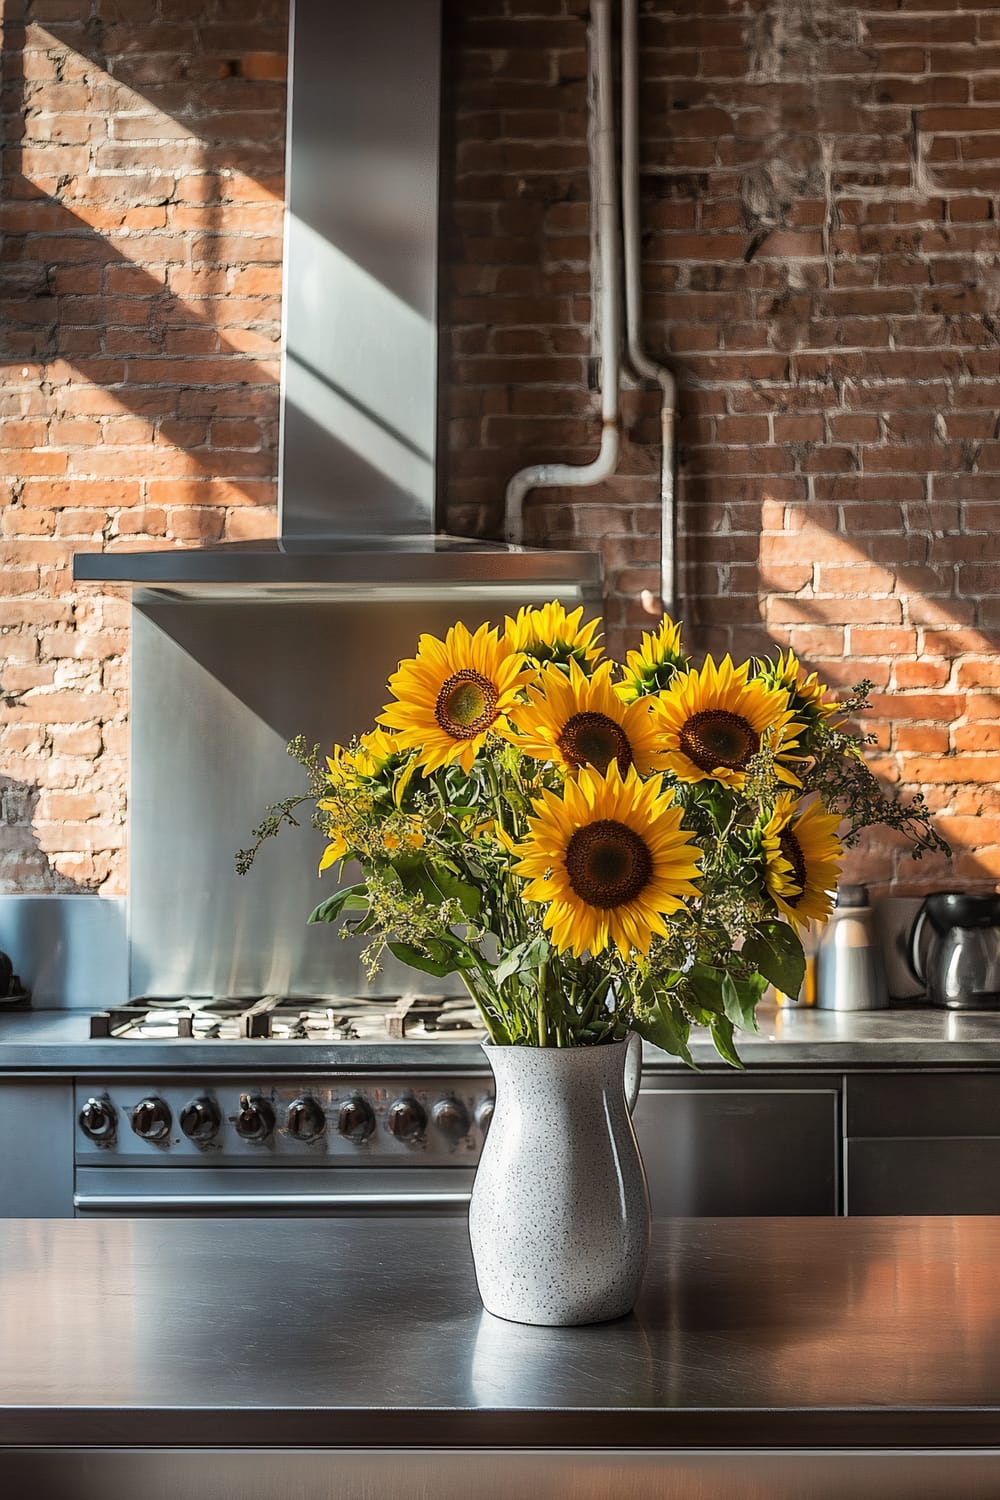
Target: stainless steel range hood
{"x": 358, "y": 486}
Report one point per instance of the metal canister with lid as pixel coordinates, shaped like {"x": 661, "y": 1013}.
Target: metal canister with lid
{"x": 850, "y": 973}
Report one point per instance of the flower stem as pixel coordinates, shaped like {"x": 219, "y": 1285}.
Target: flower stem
{"x": 543, "y": 974}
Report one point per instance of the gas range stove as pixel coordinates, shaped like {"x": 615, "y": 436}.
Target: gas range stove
{"x": 373, "y": 1126}
{"x": 393, "y": 1018}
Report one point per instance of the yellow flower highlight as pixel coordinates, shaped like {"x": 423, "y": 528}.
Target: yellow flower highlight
{"x": 658, "y": 658}
{"x": 367, "y": 757}
{"x": 714, "y": 721}
{"x": 575, "y": 721}
{"x": 335, "y": 850}
{"x": 409, "y": 837}
{"x": 375, "y": 751}
{"x": 347, "y": 770}
{"x": 452, "y": 694}
{"x": 549, "y": 634}
{"x": 801, "y": 859}
{"x": 807, "y": 696}
{"x": 609, "y": 860}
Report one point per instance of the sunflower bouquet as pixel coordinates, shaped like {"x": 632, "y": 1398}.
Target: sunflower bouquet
{"x": 590, "y": 847}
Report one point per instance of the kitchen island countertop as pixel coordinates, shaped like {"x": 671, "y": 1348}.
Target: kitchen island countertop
{"x": 57, "y": 1042}
{"x": 749, "y": 1333}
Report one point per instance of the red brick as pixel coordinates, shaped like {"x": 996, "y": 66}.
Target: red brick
{"x": 921, "y": 738}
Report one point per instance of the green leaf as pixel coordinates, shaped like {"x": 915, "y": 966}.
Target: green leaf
{"x": 528, "y": 955}
{"x": 705, "y": 986}
{"x": 453, "y": 887}
{"x": 421, "y": 878}
{"x": 438, "y": 964}
{"x": 774, "y": 950}
{"x": 666, "y": 1026}
{"x": 347, "y": 898}
{"x": 740, "y": 998}
{"x": 722, "y": 1036}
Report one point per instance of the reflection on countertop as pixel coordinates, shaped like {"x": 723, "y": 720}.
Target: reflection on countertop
{"x": 807, "y": 1332}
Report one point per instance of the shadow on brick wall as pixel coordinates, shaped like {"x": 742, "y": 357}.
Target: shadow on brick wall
{"x": 25, "y": 867}
{"x": 70, "y": 295}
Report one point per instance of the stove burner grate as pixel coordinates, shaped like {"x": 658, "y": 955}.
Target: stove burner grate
{"x": 290, "y": 1018}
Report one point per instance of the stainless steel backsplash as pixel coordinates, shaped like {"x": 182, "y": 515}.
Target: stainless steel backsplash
{"x": 69, "y": 950}
{"x": 218, "y": 690}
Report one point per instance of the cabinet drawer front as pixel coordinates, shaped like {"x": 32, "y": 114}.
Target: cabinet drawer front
{"x": 919, "y": 1176}
{"x": 714, "y": 1152}
{"x": 929, "y": 1104}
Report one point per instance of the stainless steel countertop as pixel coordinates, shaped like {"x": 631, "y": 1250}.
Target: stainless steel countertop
{"x": 751, "y": 1332}
{"x": 57, "y": 1042}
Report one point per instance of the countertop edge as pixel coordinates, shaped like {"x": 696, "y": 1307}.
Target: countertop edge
{"x": 503, "y": 1427}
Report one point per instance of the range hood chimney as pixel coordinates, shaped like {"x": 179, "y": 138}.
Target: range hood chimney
{"x": 358, "y": 485}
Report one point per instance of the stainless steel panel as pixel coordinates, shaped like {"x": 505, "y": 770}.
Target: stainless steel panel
{"x": 217, "y": 692}
{"x": 735, "y": 1152}
{"x": 68, "y": 950}
{"x": 257, "y": 1179}
{"x": 226, "y": 1148}
{"x": 917, "y": 1175}
{"x": 36, "y": 1162}
{"x": 359, "y": 374}
{"x": 497, "y": 1474}
{"x": 922, "y": 1104}
{"x": 289, "y": 1192}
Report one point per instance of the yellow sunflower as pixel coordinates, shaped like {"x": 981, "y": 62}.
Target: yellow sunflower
{"x": 609, "y": 860}
{"x": 576, "y": 720}
{"x": 650, "y": 669}
{"x": 375, "y": 750}
{"x": 801, "y": 859}
{"x": 549, "y": 634}
{"x": 344, "y": 770}
{"x": 807, "y": 696}
{"x": 452, "y": 694}
{"x": 713, "y": 723}
{"x": 365, "y": 757}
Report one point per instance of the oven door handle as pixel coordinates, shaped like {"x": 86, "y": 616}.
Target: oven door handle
{"x": 137, "y": 1203}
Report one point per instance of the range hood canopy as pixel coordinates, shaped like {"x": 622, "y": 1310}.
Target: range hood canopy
{"x": 358, "y": 485}
{"x": 343, "y": 567}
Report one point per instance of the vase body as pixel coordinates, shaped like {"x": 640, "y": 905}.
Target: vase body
{"x": 559, "y": 1217}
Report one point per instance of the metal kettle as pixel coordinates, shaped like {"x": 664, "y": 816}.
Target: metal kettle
{"x": 954, "y": 950}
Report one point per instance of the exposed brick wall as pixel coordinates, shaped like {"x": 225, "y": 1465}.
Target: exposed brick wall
{"x": 821, "y": 257}
{"x": 822, "y": 265}
{"x": 141, "y": 277}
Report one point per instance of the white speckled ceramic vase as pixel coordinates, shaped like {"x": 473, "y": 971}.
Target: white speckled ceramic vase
{"x": 559, "y": 1218}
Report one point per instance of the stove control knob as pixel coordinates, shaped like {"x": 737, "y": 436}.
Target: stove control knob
{"x": 452, "y": 1118}
{"x": 406, "y": 1119}
{"x": 305, "y": 1119}
{"x": 200, "y": 1120}
{"x": 484, "y": 1114}
{"x": 356, "y": 1120}
{"x": 151, "y": 1119}
{"x": 255, "y": 1120}
{"x": 99, "y": 1120}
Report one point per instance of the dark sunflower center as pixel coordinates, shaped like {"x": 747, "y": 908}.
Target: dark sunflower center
{"x": 466, "y": 704}
{"x": 792, "y": 850}
{"x": 607, "y": 863}
{"x": 592, "y": 739}
{"x": 715, "y": 737}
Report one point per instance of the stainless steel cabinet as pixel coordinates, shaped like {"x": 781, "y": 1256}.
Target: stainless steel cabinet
{"x": 922, "y": 1143}
{"x": 36, "y": 1163}
{"x": 746, "y": 1146}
